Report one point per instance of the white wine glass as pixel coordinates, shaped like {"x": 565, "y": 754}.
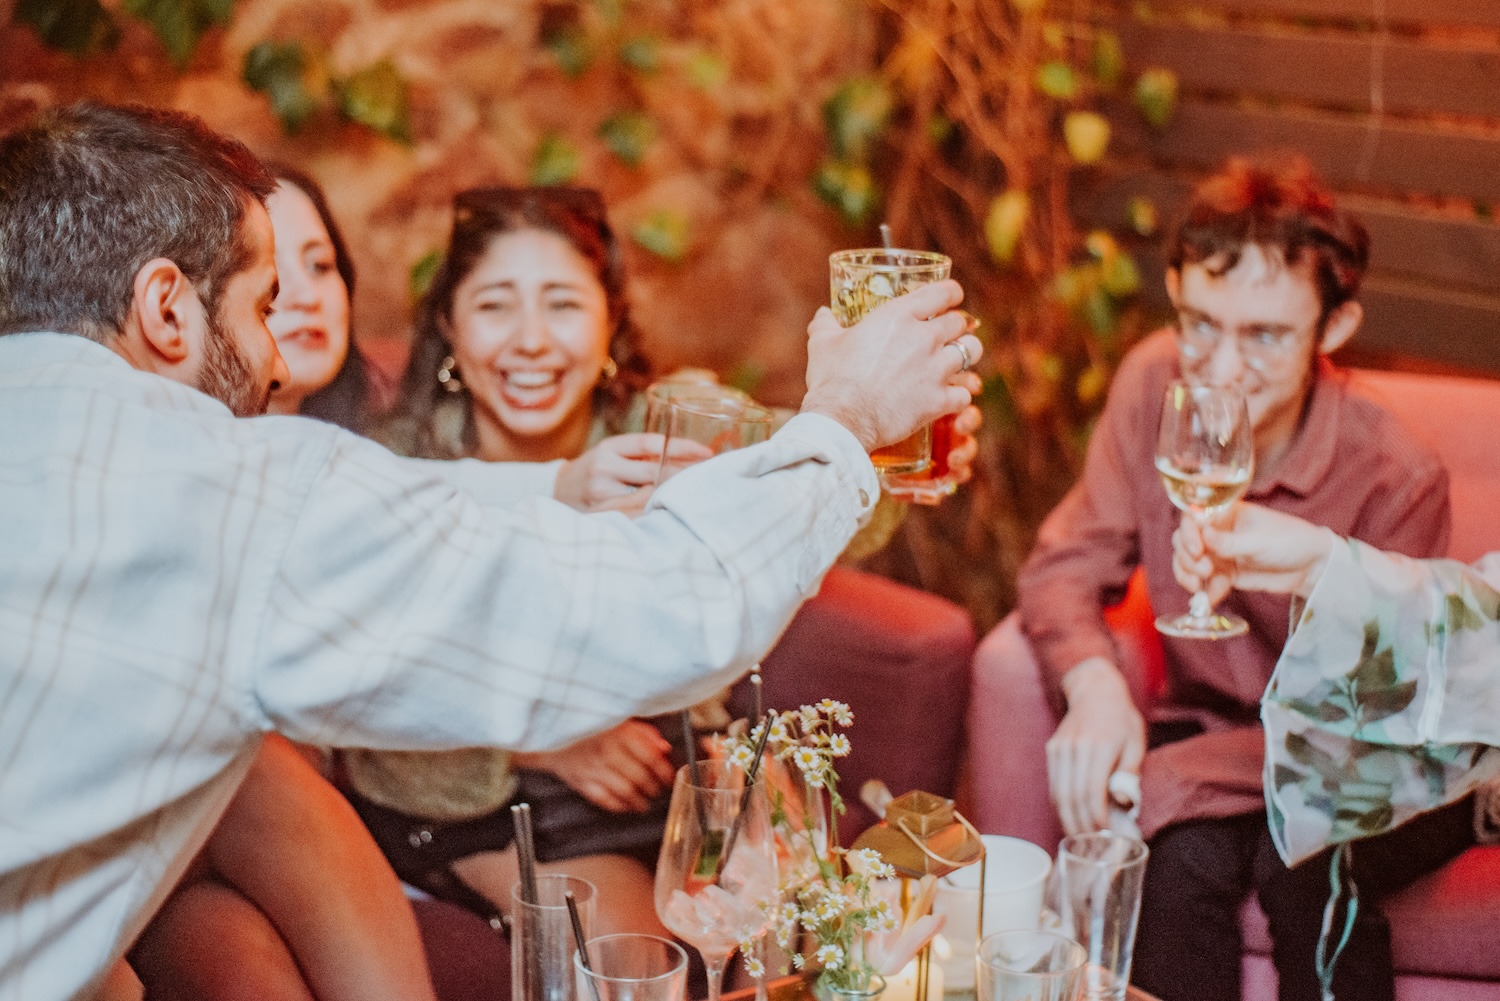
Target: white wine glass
{"x": 716, "y": 877}
{"x": 1206, "y": 456}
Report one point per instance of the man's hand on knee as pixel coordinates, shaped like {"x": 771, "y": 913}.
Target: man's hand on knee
{"x": 1101, "y": 734}
{"x": 896, "y": 370}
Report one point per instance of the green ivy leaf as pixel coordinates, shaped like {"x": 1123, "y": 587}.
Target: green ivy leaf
{"x": 939, "y": 128}
{"x": 612, "y": 11}
{"x": 77, "y": 27}
{"x": 1057, "y": 80}
{"x": 848, "y": 187}
{"x": 181, "y": 23}
{"x": 571, "y": 48}
{"x": 419, "y": 280}
{"x": 642, "y": 54}
{"x": 1119, "y": 275}
{"x": 1156, "y": 96}
{"x": 664, "y": 233}
{"x": 856, "y": 115}
{"x": 1108, "y": 59}
{"x": 746, "y": 376}
{"x": 628, "y": 135}
{"x": 280, "y": 71}
{"x": 707, "y": 71}
{"x": 556, "y": 161}
{"x": 377, "y": 98}
{"x": 1141, "y": 213}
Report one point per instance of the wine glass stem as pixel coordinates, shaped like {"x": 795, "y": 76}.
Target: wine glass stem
{"x": 761, "y": 994}
{"x": 715, "y": 970}
{"x": 1198, "y": 606}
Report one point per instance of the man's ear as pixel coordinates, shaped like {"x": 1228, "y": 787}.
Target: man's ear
{"x": 1342, "y": 324}
{"x": 163, "y": 310}
{"x": 1174, "y": 286}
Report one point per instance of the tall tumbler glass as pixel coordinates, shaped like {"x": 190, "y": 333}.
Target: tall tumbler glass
{"x": 1024, "y": 964}
{"x": 1097, "y": 895}
{"x": 860, "y": 281}
{"x": 541, "y": 938}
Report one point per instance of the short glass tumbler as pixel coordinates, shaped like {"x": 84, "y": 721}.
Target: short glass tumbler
{"x": 629, "y": 967}
{"x": 1029, "y": 965}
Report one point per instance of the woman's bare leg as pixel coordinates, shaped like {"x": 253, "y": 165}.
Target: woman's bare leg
{"x": 294, "y": 846}
{"x": 624, "y": 900}
{"x": 209, "y": 941}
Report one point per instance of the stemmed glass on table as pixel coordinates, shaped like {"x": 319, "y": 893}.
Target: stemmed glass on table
{"x": 716, "y": 879}
{"x": 1206, "y": 457}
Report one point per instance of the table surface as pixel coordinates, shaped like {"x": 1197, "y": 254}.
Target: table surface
{"x": 798, "y": 988}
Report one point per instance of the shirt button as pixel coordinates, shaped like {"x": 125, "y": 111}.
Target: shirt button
{"x": 864, "y": 498}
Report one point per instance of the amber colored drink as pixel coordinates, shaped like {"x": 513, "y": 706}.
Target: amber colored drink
{"x": 860, "y": 281}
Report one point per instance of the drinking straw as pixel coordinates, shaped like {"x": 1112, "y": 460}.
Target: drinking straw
{"x": 711, "y": 842}
{"x": 750, "y": 773}
{"x": 526, "y": 850}
{"x": 583, "y": 947}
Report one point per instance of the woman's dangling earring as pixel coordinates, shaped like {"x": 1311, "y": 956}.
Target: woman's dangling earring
{"x": 447, "y": 375}
{"x": 609, "y": 369}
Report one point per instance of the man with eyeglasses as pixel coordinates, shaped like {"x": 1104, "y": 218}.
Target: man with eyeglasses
{"x": 1263, "y": 272}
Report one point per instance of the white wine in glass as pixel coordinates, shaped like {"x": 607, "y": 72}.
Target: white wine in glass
{"x": 1205, "y": 454}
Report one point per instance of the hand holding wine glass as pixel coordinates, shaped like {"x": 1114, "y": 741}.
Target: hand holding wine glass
{"x": 1206, "y": 456}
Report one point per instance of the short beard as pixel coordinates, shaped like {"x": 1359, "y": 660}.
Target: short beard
{"x": 226, "y": 375}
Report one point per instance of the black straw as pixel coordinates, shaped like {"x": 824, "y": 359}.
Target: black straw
{"x": 750, "y": 773}
{"x": 690, "y": 741}
{"x": 583, "y": 947}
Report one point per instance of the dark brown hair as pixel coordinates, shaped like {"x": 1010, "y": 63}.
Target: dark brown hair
{"x": 480, "y": 215}
{"x": 344, "y": 401}
{"x": 1282, "y": 206}
{"x": 89, "y": 193}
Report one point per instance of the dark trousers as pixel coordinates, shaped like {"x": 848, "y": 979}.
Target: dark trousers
{"x": 1188, "y": 944}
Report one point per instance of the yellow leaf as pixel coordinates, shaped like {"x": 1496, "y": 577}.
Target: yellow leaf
{"x": 1087, "y": 135}
{"x": 1005, "y": 223}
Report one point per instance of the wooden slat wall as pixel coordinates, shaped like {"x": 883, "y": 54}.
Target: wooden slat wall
{"x": 1401, "y": 115}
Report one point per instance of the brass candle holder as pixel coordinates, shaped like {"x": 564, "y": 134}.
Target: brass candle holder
{"x": 923, "y": 835}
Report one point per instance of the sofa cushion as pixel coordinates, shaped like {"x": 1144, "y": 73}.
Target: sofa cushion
{"x": 1446, "y": 924}
{"x": 900, "y": 658}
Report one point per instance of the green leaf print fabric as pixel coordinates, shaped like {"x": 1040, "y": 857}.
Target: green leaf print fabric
{"x": 1386, "y": 700}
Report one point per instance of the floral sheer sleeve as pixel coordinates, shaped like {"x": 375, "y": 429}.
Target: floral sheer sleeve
{"x": 1386, "y": 700}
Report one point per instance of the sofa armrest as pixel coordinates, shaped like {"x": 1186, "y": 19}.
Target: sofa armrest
{"x": 901, "y": 659}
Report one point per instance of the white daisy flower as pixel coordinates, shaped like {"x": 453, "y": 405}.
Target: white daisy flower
{"x": 830, "y": 955}
{"x": 742, "y": 755}
{"x": 838, "y": 745}
{"x": 754, "y": 967}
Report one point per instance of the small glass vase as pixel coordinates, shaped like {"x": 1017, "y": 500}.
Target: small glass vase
{"x": 824, "y": 991}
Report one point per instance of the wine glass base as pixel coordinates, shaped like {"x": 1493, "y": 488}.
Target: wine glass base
{"x": 1214, "y": 626}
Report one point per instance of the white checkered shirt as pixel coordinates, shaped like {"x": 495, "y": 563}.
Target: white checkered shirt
{"x": 175, "y": 582}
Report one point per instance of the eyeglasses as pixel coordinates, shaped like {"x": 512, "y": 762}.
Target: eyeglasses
{"x": 1199, "y": 338}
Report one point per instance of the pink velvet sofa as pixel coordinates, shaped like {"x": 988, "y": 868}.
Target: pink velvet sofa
{"x": 898, "y": 656}
{"x": 1446, "y": 927}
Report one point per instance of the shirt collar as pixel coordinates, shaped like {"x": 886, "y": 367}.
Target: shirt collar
{"x": 1306, "y": 463}
{"x": 45, "y": 358}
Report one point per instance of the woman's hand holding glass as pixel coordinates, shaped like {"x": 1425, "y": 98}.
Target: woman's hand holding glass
{"x": 619, "y": 473}
{"x": 1252, "y": 548}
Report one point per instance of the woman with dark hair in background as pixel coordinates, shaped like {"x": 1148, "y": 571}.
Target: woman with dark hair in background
{"x": 524, "y": 351}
